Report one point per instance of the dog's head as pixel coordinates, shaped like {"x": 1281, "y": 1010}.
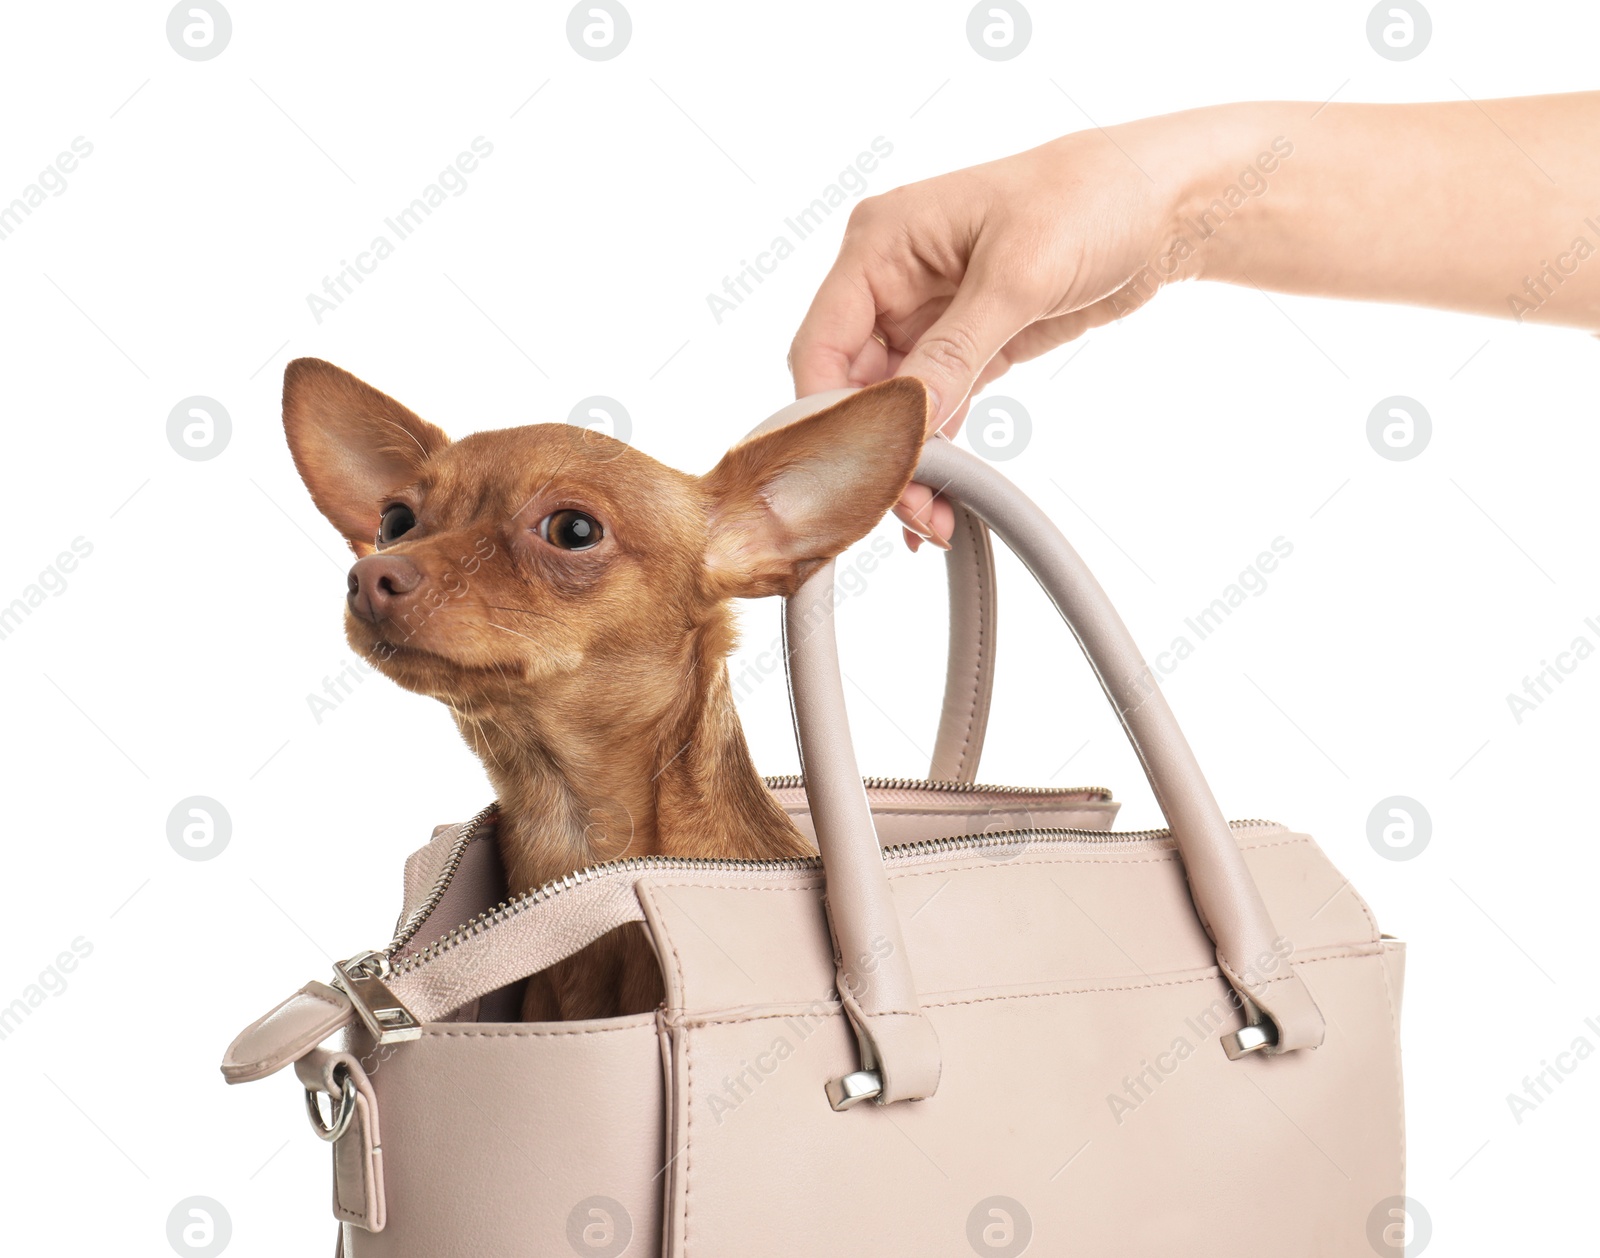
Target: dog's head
{"x": 492, "y": 565}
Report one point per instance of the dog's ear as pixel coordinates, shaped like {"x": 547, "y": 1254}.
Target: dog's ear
{"x": 785, "y": 502}
{"x": 352, "y": 445}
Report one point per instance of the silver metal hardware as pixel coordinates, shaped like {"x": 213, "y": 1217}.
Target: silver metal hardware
{"x": 447, "y": 872}
{"x": 382, "y": 1012}
{"x": 342, "y": 1115}
{"x": 508, "y": 909}
{"x": 853, "y": 1088}
{"x": 789, "y": 781}
{"x": 1250, "y": 1039}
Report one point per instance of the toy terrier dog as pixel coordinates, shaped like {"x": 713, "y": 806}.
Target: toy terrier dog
{"x": 568, "y": 598}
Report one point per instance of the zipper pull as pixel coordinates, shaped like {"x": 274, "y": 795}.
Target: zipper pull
{"x": 384, "y": 1014}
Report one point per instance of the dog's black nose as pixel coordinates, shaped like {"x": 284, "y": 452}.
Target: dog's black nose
{"x": 379, "y": 584}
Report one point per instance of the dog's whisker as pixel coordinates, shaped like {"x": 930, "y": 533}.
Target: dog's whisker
{"x": 473, "y": 723}
{"x": 525, "y": 611}
{"x": 512, "y": 632}
{"x": 499, "y": 763}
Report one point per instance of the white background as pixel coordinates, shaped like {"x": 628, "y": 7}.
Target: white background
{"x": 179, "y": 657}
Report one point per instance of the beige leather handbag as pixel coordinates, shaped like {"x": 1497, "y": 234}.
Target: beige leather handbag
{"x": 1010, "y": 1030}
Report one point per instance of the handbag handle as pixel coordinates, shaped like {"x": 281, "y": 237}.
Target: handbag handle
{"x": 969, "y": 668}
{"x": 899, "y": 1050}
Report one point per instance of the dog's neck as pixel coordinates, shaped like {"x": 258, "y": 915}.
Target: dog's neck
{"x": 628, "y": 758}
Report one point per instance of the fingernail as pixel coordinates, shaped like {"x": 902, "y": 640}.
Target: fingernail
{"x": 934, "y": 408}
{"x": 922, "y": 530}
{"x": 913, "y": 542}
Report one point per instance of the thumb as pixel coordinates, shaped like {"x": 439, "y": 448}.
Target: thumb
{"x": 951, "y": 354}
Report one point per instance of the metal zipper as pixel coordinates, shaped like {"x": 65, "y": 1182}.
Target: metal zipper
{"x": 789, "y": 781}
{"x": 363, "y": 978}
{"x": 447, "y": 873}
{"x": 647, "y": 864}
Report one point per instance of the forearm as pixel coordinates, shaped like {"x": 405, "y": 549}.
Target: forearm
{"x": 1491, "y": 208}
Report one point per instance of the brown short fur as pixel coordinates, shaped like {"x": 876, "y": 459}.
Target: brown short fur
{"x": 592, "y": 683}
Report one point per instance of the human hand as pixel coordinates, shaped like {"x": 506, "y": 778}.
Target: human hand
{"x": 958, "y": 278}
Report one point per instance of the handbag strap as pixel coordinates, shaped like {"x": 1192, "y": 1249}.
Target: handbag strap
{"x": 897, "y": 1042}
{"x": 969, "y": 669}
{"x": 969, "y": 672}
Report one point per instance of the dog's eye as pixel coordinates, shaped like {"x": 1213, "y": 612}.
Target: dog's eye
{"x": 570, "y": 530}
{"x": 397, "y": 519}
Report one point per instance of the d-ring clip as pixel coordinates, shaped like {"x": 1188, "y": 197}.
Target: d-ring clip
{"x": 342, "y": 1116}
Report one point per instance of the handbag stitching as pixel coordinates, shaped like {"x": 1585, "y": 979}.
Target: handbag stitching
{"x": 380, "y": 1210}
{"x": 1213, "y": 974}
{"x": 1258, "y": 991}
{"x": 816, "y": 882}
{"x": 813, "y": 883}
{"x": 977, "y": 672}
{"x": 688, "y": 1134}
{"x": 1400, "y": 1079}
{"x": 1166, "y": 858}
{"x": 1362, "y": 905}
{"x": 652, "y": 893}
{"x": 1352, "y": 954}
{"x": 359, "y": 1128}
{"x": 343, "y": 1211}
{"x": 306, "y": 991}
{"x": 1168, "y": 855}
{"x": 518, "y": 1034}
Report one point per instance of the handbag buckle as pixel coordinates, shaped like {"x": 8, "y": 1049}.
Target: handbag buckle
{"x": 853, "y": 1088}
